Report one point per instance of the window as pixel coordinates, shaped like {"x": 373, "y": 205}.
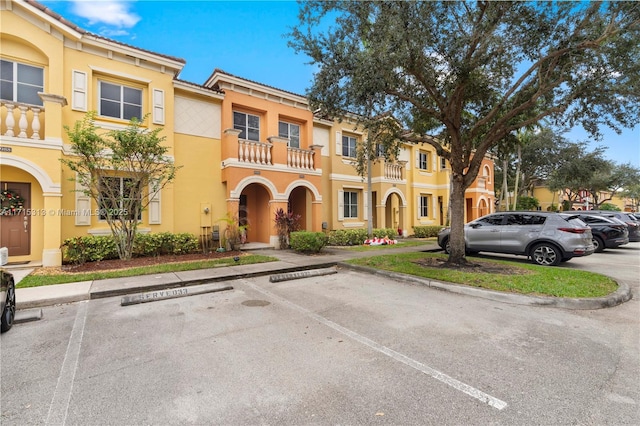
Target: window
{"x": 443, "y": 163}
{"x": 248, "y": 124}
{"x": 525, "y": 219}
{"x": 423, "y": 160}
{"x": 115, "y": 197}
{"x": 21, "y": 83}
{"x": 493, "y": 220}
{"x": 348, "y": 146}
{"x": 120, "y": 101}
{"x": 291, "y": 132}
{"x": 424, "y": 206}
{"x": 350, "y": 204}
{"x": 379, "y": 150}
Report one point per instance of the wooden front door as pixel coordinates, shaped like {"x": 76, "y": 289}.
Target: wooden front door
{"x": 15, "y": 225}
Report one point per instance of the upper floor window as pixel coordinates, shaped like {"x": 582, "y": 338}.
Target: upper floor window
{"x": 350, "y": 203}
{"x": 248, "y": 124}
{"x": 290, "y": 131}
{"x": 422, "y": 160}
{"x": 119, "y": 101}
{"x": 348, "y": 146}
{"x": 443, "y": 163}
{"x": 21, "y": 83}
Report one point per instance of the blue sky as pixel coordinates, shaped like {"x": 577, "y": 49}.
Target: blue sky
{"x": 245, "y": 38}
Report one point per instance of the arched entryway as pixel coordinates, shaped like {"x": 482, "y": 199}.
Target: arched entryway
{"x": 254, "y": 212}
{"x": 395, "y": 206}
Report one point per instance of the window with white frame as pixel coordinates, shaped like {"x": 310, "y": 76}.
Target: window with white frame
{"x": 119, "y": 101}
{"x": 424, "y": 206}
{"x": 350, "y": 204}
{"x": 422, "y": 160}
{"x": 290, "y": 131}
{"x": 21, "y": 82}
{"x": 248, "y": 124}
{"x": 443, "y": 163}
{"x": 349, "y": 146}
{"x": 116, "y": 195}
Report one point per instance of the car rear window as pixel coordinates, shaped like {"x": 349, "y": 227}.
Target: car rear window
{"x": 575, "y": 221}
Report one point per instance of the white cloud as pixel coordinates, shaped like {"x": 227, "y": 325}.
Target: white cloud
{"x": 110, "y": 12}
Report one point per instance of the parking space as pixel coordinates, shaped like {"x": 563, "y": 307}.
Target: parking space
{"x": 342, "y": 348}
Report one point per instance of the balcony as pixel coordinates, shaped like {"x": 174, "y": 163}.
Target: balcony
{"x": 21, "y": 121}
{"x": 393, "y": 171}
{"x": 271, "y": 155}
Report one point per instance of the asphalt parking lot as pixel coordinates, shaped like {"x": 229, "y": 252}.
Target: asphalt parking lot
{"x": 345, "y": 348}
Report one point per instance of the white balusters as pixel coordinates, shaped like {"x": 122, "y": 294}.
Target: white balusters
{"x": 29, "y": 118}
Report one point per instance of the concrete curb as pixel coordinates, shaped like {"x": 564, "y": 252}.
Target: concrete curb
{"x": 621, "y": 295}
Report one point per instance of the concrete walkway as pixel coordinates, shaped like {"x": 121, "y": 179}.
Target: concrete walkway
{"x": 35, "y": 297}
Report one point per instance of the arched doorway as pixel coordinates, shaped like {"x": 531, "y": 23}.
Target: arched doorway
{"x": 300, "y": 200}
{"x": 254, "y": 212}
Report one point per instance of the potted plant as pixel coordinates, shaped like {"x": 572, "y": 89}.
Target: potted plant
{"x": 234, "y": 234}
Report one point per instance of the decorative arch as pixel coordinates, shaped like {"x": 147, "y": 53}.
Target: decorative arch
{"x": 47, "y": 185}
{"x": 306, "y": 184}
{"x": 394, "y": 191}
{"x": 483, "y": 206}
{"x": 235, "y": 193}
{"x": 486, "y": 172}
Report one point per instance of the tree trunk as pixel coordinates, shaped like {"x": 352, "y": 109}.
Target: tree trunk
{"x": 515, "y": 189}
{"x": 456, "y": 237}
{"x": 505, "y": 187}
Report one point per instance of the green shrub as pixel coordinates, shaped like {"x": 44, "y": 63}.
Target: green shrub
{"x": 426, "y": 231}
{"x": 307, "y": 242}
{"x": 91, "y": 248}
{"x": 347, "y": 237}
{"x": 384, "y": 232}
{"x": 79, "y": 250}
{"x": 609, "y": 207}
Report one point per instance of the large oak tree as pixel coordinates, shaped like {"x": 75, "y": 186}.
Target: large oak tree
{"x": 463, "y": 76}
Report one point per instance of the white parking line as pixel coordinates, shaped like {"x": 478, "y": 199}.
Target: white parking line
{"x": 59, "y": 407}
{"x": 444, "y": 378}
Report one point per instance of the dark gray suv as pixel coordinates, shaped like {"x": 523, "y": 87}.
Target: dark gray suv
{"x": 546, "y": 238}
{"x": 7, "y": 300}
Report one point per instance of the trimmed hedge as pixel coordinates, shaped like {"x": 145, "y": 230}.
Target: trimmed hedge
{"x": 307, "y": 242}
{"x": 92, "y": 248}
{"x": 356, "y": 237}
{"x": 426, "y": 231}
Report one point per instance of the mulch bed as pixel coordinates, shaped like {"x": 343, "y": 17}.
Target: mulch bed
{"x": 113, "y": 264}
{"x": 473, "y": 267}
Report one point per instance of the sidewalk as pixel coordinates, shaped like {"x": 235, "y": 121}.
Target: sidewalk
{"x": 35, "y": 297}
{"x": 289, "y": 261}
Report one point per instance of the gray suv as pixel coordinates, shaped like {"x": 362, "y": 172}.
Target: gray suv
{"x": 547, "y": 238}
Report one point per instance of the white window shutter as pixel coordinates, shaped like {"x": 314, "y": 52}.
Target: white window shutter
{"x": 155, "y": 217}
{"x": 79, "y": 95}
{"x": 418, "y": 206}
{"x": 340, "y": 205}
{"x": 365, "y": 211}
{"x": 418, "y": 160}
{"x": 338, "y": 143}
{"x": 83, "y": 205}
{"x": 158, "y": 106}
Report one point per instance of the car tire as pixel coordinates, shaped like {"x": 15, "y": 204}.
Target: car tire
{"x": 447, "y": 246}
{"x": 9, "y": 308}
{"x": 545, "y": 254}
{"x": 598, "y": 243}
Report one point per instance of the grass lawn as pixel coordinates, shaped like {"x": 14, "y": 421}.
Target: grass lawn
{"x": 527, "y": 279}
{"x": 63, "y": 278}
{"x": 411, "y": 242}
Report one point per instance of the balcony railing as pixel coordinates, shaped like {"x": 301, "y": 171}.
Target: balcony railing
{"x": 254, "y": 152}
{"x": 300, "y": 158}
{"x": 21, "y": 120}
{"x": 393, "y": 171}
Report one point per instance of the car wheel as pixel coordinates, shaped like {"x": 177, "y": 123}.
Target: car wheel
{"x": 447, "y": 246}
{"x": 9, "y": 308}
{"x": 598, "y": 244}
{"x": 545, "y": 254}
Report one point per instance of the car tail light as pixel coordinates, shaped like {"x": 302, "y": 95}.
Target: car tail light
{"x": 574, "y": 230}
